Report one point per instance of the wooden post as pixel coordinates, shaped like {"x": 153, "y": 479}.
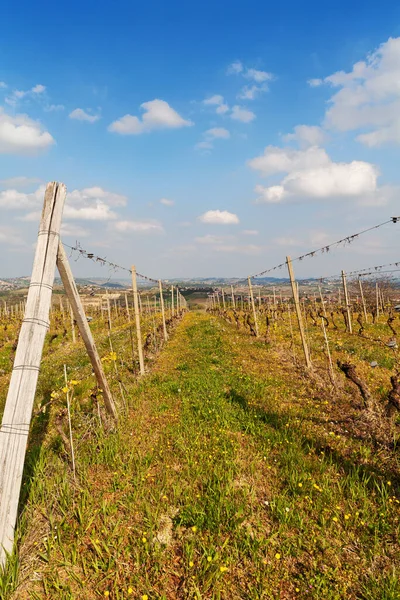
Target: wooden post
{"x": 363, "y": 300}
{"x": 298, "y": 312}
{"x": 377, "y": 300}
{"x": 322, "y": 301}
{"x": 233, "y": 297}
{"x": 346, "y": 298}
{"x": 331, "y": 372}
{"x": 172, "y": 300}
{"x": 127, "y": 308}
{"x": 21, "y": 393}
{"x": 223, "y": 297}
{"x": 80, "y": 317}
{"x": 162, "y": 310}
{"x": 137, "y": 318}
{"x": 108, "y": 312}
{"x": 253, "y": 305}
{"x": 72, "y": 324}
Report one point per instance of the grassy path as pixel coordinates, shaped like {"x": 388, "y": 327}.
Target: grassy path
{"x": 224, "y": 481}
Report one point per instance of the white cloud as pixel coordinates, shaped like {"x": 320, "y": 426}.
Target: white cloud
{"x": 315, "y": 82}
{"x": 38, "y": 89}
{"x": 88, "y": 204}
{"x": 312, "y": 174}
{"x": 17, "y": 95}
{"x": 138, "y": 226}
{"x": 283, "y": 160}
{"x": 258, "y": 76}
{"x": 81, "y": 115}
{"x": 250, "y": 232}
{"x": 98, "y": 211}
{"x": 22, "y": 135}
{"x": 217, "y": 132}
{"x": 219, "y": 217}
{"x": 242, "y": 114}
{"x": 19, "y": 182}
{"x": 167, "y": 202}
{"x": 3, "y": 85}
{"x": 235, "y": 68}
{"x": 306, "y": 135}
{"x": 251, "y": 92}
{"x": 158, "y": 115}
{"x": 368, "y": 99}
{"x": 218, "y": 101}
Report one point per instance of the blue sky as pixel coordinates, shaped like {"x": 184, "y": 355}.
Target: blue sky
{"x": 202, "y": 140}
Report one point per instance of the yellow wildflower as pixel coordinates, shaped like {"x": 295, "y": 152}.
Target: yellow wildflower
{"x": 277, "y": 556}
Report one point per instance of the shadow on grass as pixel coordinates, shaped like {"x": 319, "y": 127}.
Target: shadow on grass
{"x": 370, "y": 475}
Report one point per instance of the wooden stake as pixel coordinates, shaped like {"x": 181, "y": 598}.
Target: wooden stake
{"x": 253, "y": 305}
{"x": 233, "y": 297}
{"x": 71, "y": 441}
{"x": 298, "y": 312}
{"x": 363, "y": 300}
{"x": 172, "y": 300}
{"x": 331, "y": 372}
{"x": 377, "y": 300}
{"x": 21, "y": 393}
{"x": 127, "y": 308}
{"x": 223, "y": 297}
{"x": 76, "y": 304}
{"x": 72, "y": 324}
{"x": 162, "y": 310}
{"x": 346, "y": 299}
{"x": 137, "y": 318}
{"x": 322, "y": 301}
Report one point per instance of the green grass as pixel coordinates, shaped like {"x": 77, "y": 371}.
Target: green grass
{"x": 225, "y": 479}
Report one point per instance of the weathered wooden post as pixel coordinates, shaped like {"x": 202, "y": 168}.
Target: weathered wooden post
{"x": 83, "y": 326}
{"x": 363, "y": 300}
{"x": 346, "y": 299}
{"x": 298, "y": 312}
{"x": 71, "y": 314}
{"x": 21, "y": 393}
{"x": 162, "y": 310}
{"x": 253, "y": 305}
{"x": 223, "y": 297}
{"x": 137, "y": 318}
{"x": 127, "y": 308}
{"x": 377, "y": 300}
{"x": 322, "y": 301}
{"x": 233, "y": 297}
{"x": 172, "y": 301}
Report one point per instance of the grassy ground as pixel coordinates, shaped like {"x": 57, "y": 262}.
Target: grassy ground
{"x": 225, "y": 479}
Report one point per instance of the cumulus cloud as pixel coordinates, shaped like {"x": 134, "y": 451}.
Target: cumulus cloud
{"x": 251, "y": 92}
{"x": 258, "y": 76}
{"x": 312, "y": 174}
{"x": 219, "y": 217}
{"x": 368, "y": 97}
{"x": 88, "y": 204}
{"x": 158, "y": 114}
{"x": 81, "y": 115}
{"x": 217, "y": 132}
{"x": 242, "y": 114}
{"x": 137, "y": 226}
{"x": 21, "y": 135}
{"x": 218, "y": 101}
{"x": 283, "y": 160}
{"x": 306, "y": 135}
{"x": 167, "y": 202}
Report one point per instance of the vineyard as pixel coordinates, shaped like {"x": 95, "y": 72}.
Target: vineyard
{"x": 250, "y": 449}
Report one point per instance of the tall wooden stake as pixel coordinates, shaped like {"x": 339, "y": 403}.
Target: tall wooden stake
{"x": 346, "y": 299}
{"x": 298, "y": 312}
{"x": 137, "y": 318}
{"x": 253, "y": 305}
{"x": 233, "y": 297}
{"x": 363, "y": 300}
{"x": 21, "y": 393}
{"x": 162, "y": 310}
{"x": 83, "y": 326}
